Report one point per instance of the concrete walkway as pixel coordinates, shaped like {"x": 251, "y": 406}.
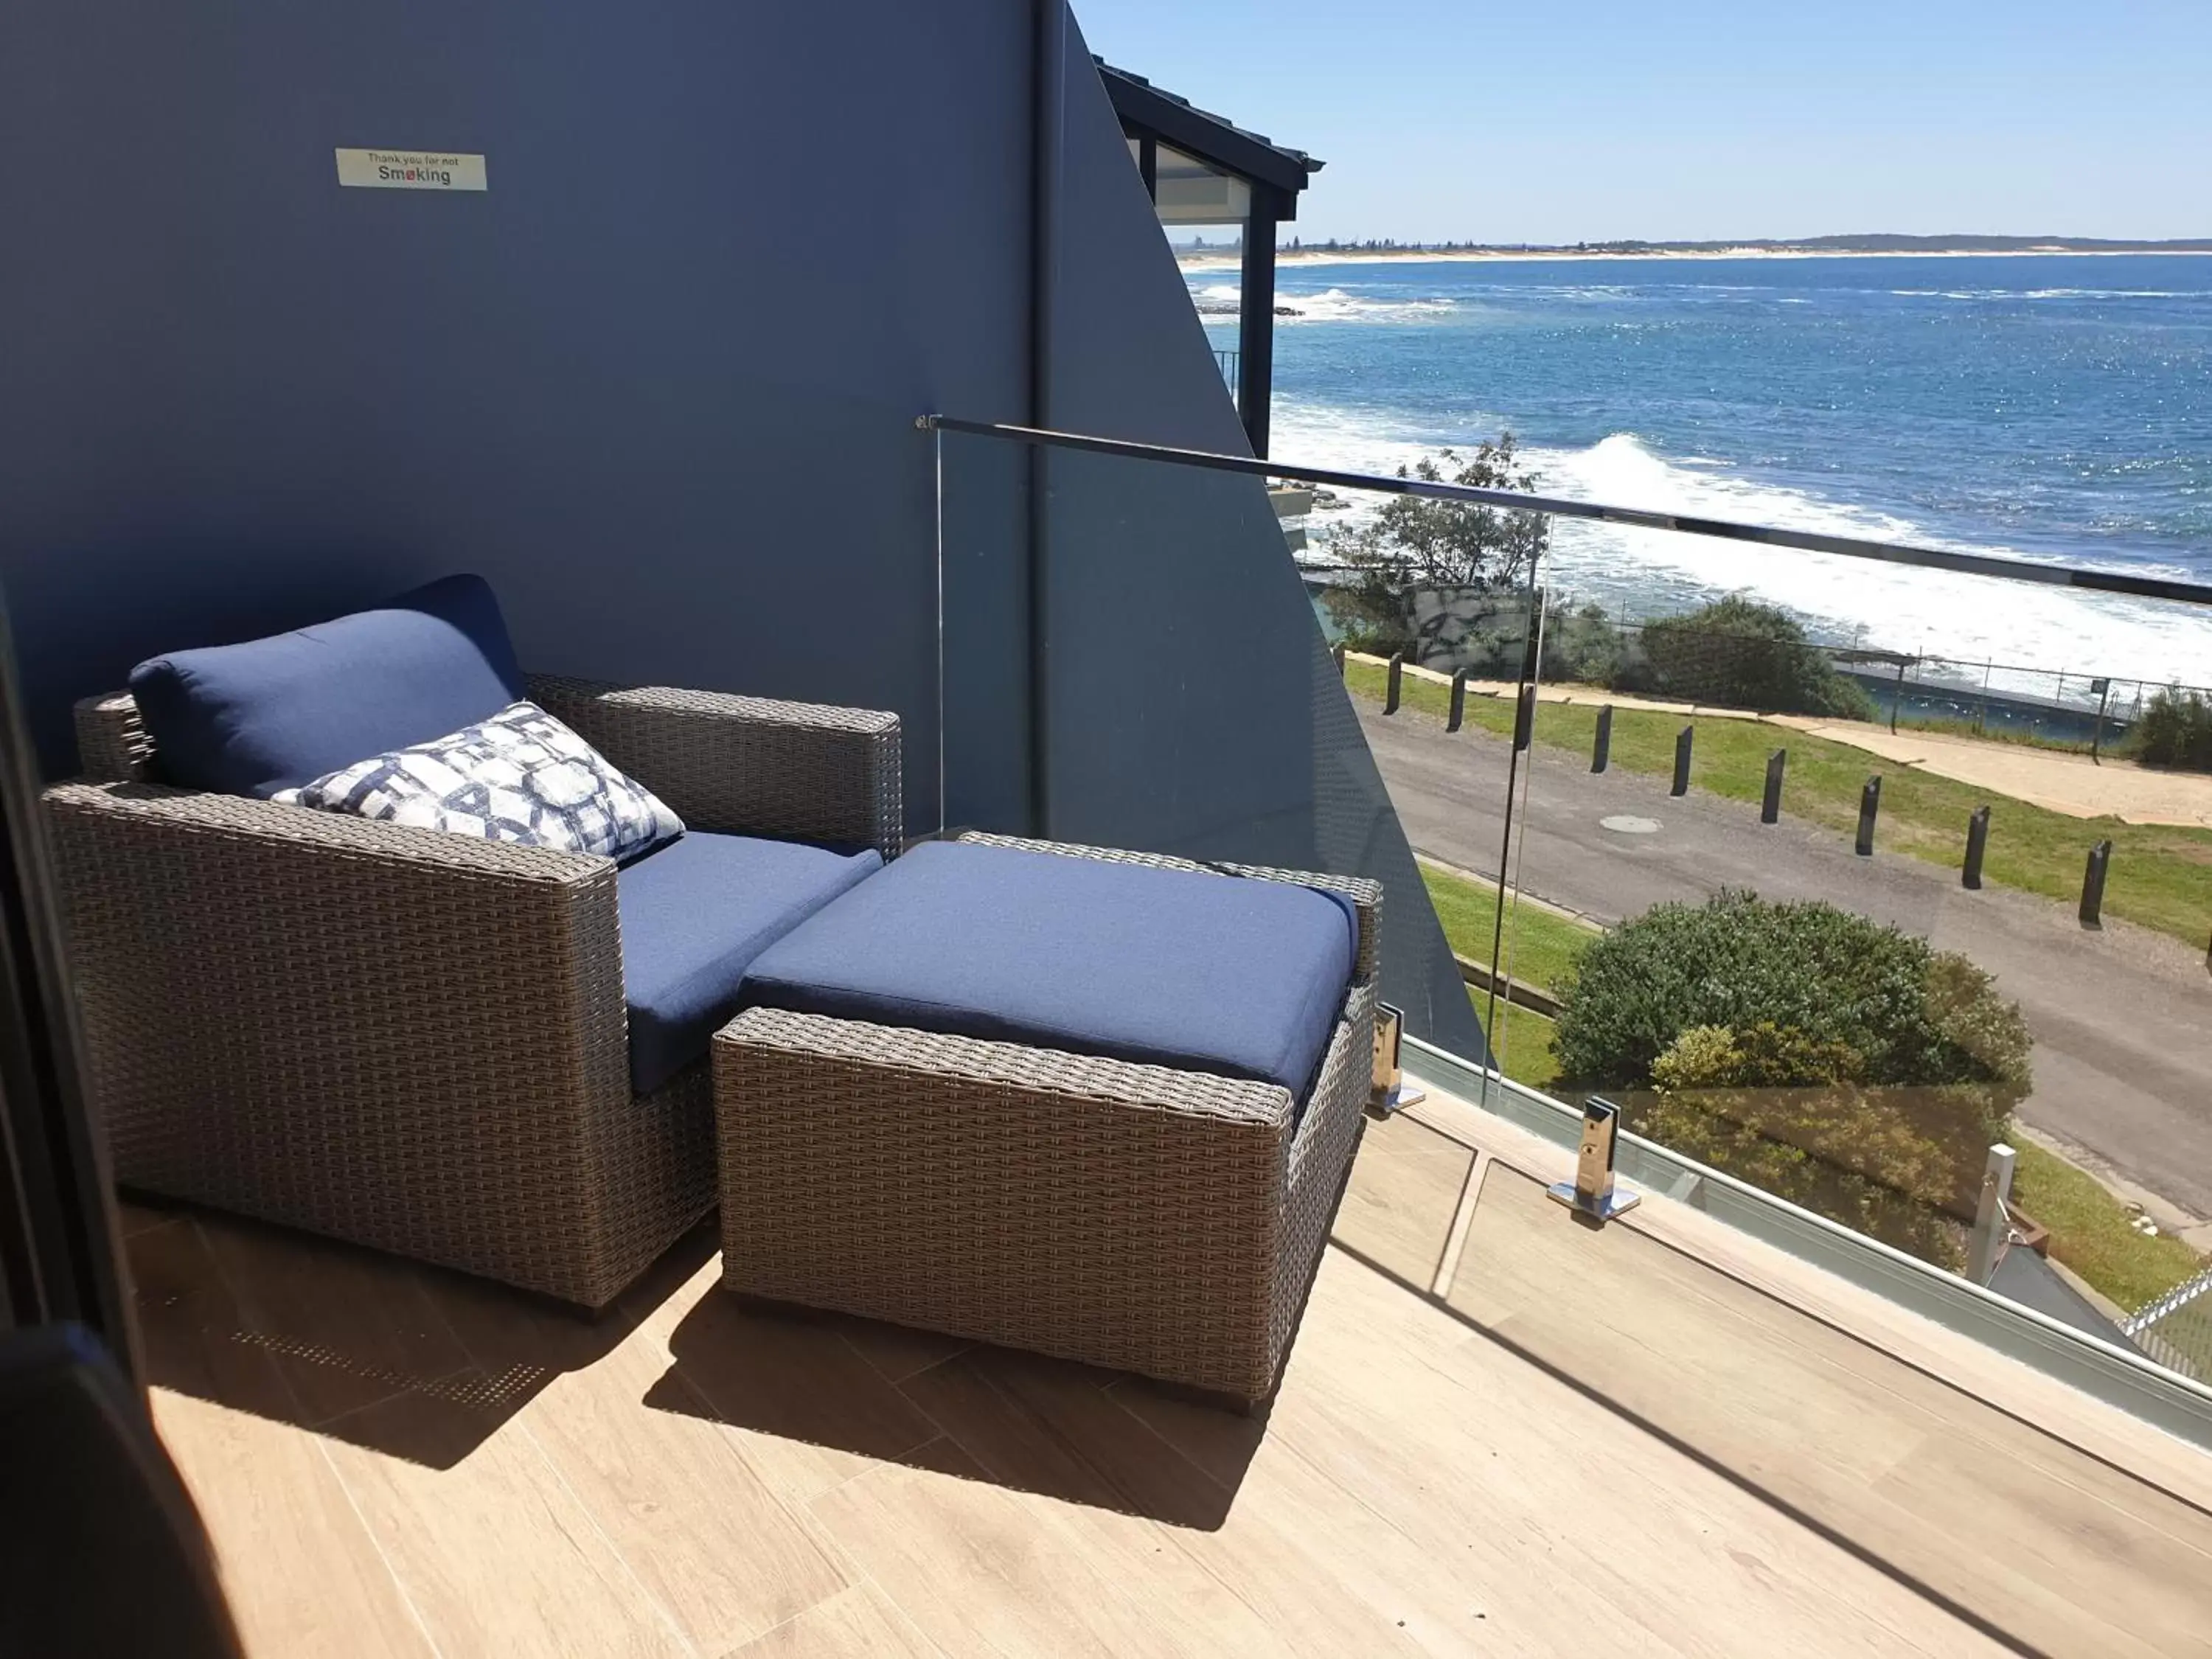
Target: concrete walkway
{"x": 2121, "y": 1017}
{"x": 2073, "y": 784}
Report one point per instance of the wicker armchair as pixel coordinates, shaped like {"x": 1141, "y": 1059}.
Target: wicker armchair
{"x": 412, "y": 1040}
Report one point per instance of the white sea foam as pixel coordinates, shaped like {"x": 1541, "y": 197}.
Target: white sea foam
{"x": 2049, "y": 294}
{"x": 1967, "y": 619}
{"x": 1332, "y": 305}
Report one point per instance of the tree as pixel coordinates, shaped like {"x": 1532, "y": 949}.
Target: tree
{"x": 1414, "y": 544}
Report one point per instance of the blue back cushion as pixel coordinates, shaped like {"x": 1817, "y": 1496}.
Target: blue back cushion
{"x": 269, "y": 714}
{"x": 1237, "y": 977}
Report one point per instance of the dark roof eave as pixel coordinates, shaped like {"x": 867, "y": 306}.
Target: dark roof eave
{"x": 1217, "y": 143}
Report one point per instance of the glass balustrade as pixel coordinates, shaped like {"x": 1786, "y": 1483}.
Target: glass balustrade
{"x": 1892, "y": 926}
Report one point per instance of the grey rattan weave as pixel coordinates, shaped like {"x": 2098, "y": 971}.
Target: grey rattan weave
{"x": 412, "y": 1040}
{"x": 1137, "y": 1216}
{"x": 795, "y": 771}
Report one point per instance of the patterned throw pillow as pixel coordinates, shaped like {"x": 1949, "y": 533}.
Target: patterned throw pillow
{"x": 519, "y": 777}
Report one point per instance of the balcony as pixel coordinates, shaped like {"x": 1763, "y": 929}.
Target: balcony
{"x": 1498, "y": 1430}
{"x": 1828, "y": 1384}
{"x": 1834, "y": 1382}
{"x": 1900, "y": 1349}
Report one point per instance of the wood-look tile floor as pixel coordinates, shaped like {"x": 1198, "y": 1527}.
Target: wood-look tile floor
{"x": 1499, "y": 1434}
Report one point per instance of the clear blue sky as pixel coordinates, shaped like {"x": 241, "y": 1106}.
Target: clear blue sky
{"x": 1538, "y": 121}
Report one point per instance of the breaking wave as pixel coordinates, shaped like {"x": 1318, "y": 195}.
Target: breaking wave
{"x": 1968, "y": 619}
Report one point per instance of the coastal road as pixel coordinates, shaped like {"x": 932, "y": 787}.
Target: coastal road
{"x": 2121, "y": 1017}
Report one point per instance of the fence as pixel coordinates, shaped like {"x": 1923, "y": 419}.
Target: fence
{"x": 2074, "y": 707}
{"x": 2176, "y": 1330}
{"x": 1670, "y": 656}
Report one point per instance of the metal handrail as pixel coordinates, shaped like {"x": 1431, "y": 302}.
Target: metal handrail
{"x": 1973, "y": 564}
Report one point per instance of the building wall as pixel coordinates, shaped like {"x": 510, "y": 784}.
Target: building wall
{"x": 658, "y": 383}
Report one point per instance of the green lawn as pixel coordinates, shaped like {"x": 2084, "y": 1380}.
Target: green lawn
{"x": 2091, "y": 1234}
{"x": 2159, "y": 877}
{"x": 1539, "y": 946}
{"x": 1525, "y": 1040}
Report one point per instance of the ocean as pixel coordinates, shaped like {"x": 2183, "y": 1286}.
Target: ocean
{"x": 2055, "y": 409}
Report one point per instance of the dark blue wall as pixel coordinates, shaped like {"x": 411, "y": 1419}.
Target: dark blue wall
{"x": 659, "y": 382}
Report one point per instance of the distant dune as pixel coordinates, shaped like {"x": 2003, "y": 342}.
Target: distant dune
{"x": 1873, "y": 246}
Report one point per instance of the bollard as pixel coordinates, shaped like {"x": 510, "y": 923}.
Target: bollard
{"x": 1869, "y": 805}
{"x": 1390, "y": 692}
{"x": 1978, "y": 843}
{"x": 1339, "y": 654}
{"x": 1458, "y": 702}
{"x": 1602, "y": 749}
{"x": 2092, "y": 884}
{"x": 1524, "y": 719}
{"x": 1681, "y": 786}
{"x": 1770, "y": 807}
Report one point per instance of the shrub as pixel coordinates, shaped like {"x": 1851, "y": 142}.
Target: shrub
{"x": 1827, "y": 1059}
{"x": 1912, "y": 1015}
{"x": 1766, "y": 1055}
{"x": 1582, "y": 646}
{"x": 1738, "y": 654}
{"x": 2174, "y": 729}
{"x": 1885, "y": 1162}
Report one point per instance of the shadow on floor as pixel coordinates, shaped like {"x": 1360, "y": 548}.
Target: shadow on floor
{"x": 337, "y": 1338}
{"x": 1102, "y": 1439}
{"x": 426, "y": 1364}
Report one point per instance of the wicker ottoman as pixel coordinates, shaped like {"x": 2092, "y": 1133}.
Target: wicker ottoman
{"x": 1143, "y": 1217}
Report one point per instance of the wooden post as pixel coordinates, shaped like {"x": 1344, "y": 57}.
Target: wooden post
{"x": 1524, "y": 719}
{"x": 1770, "y": 807}
{"x": 1682, "y": 785}
{"x": 1390, "y": 692}
{"x": 1978, "y": 843}
{"x": 2092, "y": 884}
{"x": 1869, "y": 807}
{"x": 1991, "y": 1226}
{"x": 1458, "y": 702}
{"x": 1339, "y": 654}
{"x": 1602, "y": 749}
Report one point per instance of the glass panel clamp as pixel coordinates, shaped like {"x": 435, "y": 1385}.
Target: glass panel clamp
{"x": 1591, "y": 1195}
{"x": 1390, "y": 1091}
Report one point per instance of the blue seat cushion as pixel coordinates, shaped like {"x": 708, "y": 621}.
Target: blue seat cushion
{"x": 694, "y": 913}
{"x": 1236, "y": 977}
{"x": 273, "y": 713}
